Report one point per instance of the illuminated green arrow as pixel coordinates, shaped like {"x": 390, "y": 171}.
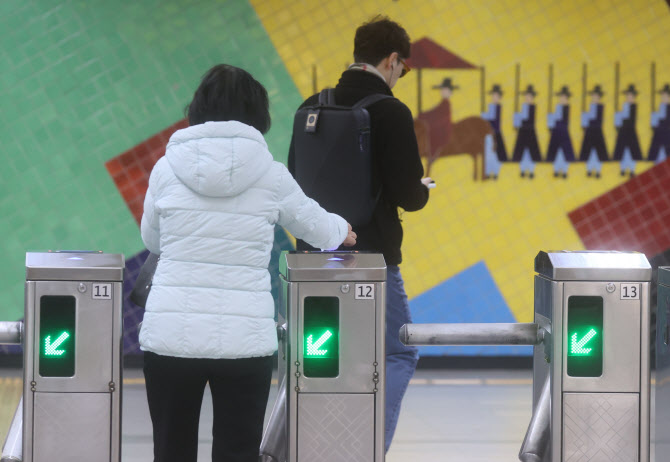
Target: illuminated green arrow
{"x": 577, "y": 347}
{"x": 313, "y": 348}
{"x": 50, "y": 348}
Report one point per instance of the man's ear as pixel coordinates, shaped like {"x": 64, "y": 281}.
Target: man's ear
{"x": 389, "y": 60}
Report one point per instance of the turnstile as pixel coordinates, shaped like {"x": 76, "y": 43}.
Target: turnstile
{"x": 662, "y": 401}
{"x": 591, "y": 379}
{"x": 72, "y": 357}
{"x": 330, "y": 406}
{"x": 596, "y": 307}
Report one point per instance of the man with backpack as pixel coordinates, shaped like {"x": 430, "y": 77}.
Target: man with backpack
{"x": 394, "y": 179}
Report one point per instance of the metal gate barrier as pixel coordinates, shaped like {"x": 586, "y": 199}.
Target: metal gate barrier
{"x": 330, "y": 406}
{"x": 591, "y": 379}
{"x": 72, "y": 353}
{"x": 662, "y": 406}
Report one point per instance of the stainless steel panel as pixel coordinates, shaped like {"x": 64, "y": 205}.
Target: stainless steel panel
{"x": 95, "y": 333}
{"x": 662, "y": 402}
{"x": 28, "y": 368}
{"x": 593, "y": 266}
{"x": 645, "y": 374}
{"x": 292, "y": 370}
{"x": 336, "y": 427}
{"x": 547, "y": 360}
{"x": 72, "y": 427}
{"x": 601, "y": 427}
{"x": 332, "y": 266}
{"x": 357, "y": 347}
{"x": 61, "y": 266}
{"x": 621, "y": 341}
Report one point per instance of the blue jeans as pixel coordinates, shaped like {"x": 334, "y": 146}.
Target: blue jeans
{"x": 400, "y": 359}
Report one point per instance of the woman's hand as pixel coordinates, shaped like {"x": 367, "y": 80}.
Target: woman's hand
{"x": 351, "y": 238}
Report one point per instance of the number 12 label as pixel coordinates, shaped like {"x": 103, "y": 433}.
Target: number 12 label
{"x": 630, "y": 291}
{"x": 365, "y": 292}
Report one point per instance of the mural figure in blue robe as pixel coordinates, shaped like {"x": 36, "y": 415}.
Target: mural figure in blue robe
{"x": 659, "y": 150}
{"x": 526, "y": 148}
{"x": 494, "y": 157}
{"x": 560, "y": 150}
{"x": 594, "y": 149}
{"x": 627, "y": 148}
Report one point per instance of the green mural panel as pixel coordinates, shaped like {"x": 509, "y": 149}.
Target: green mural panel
{"x": 87, "y": 80}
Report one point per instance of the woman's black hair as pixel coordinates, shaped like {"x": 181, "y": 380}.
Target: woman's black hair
{"x": 230, "y": 93}
{"x": 378, "y": 38}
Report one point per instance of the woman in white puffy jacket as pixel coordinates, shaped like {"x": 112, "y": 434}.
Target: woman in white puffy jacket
{"x": 210, "y": 211}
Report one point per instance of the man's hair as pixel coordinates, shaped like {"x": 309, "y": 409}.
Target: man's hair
{"x": 230, "y": 93}
{"x": 378, "y": 38}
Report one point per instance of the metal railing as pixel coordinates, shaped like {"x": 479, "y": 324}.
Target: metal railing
{"x": 536, "y": 440}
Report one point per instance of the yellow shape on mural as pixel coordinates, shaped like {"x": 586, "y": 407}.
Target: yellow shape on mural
{"x": 507, "y": 221}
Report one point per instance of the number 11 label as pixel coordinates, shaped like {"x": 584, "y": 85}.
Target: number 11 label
{"x": 630, "y": 291}
{"x": 102, "y": 291}
{"x": 365, "y": 292}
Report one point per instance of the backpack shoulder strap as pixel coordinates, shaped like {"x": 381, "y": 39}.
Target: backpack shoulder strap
{"x": 327, "y": 97}
{"x": 370, "y": 100}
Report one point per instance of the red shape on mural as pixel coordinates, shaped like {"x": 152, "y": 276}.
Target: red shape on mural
{"x": 130, "y": 170}
{"x": 633, "y": 216}
{"x": 426, "y": 54}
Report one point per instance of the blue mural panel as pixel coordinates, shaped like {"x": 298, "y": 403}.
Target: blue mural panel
{"x": 469, "y": 296}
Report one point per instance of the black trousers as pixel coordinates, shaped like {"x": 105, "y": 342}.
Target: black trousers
{"x": 175, "y": 387}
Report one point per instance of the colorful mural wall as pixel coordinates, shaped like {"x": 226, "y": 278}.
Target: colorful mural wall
{"x": 544, "y": 125}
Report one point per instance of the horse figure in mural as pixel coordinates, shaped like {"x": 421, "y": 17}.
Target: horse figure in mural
{"x": 471, "y": 135}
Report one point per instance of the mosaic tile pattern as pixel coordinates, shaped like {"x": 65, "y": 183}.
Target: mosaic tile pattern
{"x": 131, "y": 170}
{"x": 468, "y": 297}
{"x": 90, "y": 80}
{"x": 505, "y": 222}
{"x": 633, "y": 216}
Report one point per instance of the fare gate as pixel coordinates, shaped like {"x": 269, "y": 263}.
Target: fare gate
{"x": 591, "y": 378}
{"x": 330, "y": 406}
{"x": 662, "y": 406}
{"x": 72, "y": 331}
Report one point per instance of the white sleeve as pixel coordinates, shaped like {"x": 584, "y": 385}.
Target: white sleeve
{"x": 305, "y": 219}
{"x": 150, "y": 227}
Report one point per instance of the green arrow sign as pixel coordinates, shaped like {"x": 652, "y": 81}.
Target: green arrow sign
{"x": 313, "y": 347}
{"x": 50, "y": 348}
{"x": 577, "y": 346}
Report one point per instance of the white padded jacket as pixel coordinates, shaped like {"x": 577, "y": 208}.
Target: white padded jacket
{"x": 210, "y": 212}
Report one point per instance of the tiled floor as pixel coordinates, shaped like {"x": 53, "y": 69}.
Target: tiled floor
{"x": 464, "y": 416}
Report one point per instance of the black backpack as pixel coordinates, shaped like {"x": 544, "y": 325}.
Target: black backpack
{"x": 332, "y": 159}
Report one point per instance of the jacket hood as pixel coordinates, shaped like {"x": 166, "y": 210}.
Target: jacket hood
{"x": 218, "y": 159}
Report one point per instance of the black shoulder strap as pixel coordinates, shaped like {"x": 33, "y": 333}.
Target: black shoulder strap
{"x": 327, "y": 97}
{"x": 370, "y": 100}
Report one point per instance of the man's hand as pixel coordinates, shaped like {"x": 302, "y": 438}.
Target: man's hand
{"x": 428, "y": 182}
{"x": 351, "y": 238}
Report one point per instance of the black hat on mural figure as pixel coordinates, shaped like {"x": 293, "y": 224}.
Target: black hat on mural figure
{"x": 446, "y": 83}
{"x": 665, "y": 89}
{"x": 496, "y": 89}
{"x": 565, "y": 91}
{"x": 631, "y": 89}
{"x": 530, "y": 90}
{"x": 597, "y": 90}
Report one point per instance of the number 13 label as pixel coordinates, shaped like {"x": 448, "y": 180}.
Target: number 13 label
{"x": 365, "y": 292}
{"x": 630, "y": 291}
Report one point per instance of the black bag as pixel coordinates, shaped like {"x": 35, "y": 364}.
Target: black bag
{"x": 332, "y": 162}
{"x": 140, "y": 292}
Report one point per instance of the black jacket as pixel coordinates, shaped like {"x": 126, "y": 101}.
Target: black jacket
{"x": 397, "y": 167}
